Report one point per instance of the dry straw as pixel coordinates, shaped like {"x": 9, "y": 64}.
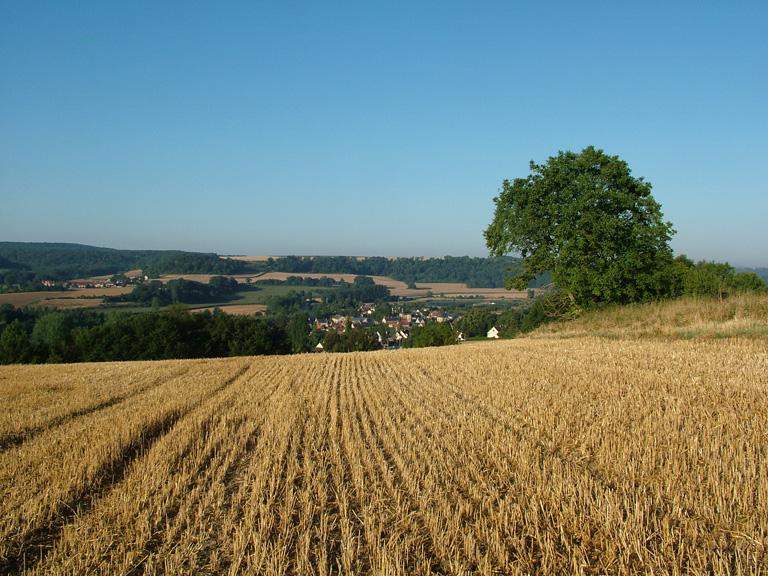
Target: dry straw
{"x": 550, "y": 455}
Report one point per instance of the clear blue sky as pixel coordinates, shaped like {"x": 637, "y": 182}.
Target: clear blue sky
{"x": 380, "y": 128}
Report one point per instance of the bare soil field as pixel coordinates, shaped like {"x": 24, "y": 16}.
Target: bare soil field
{"x": 71, "y": 303}
{"x": 95, "y": 279}
{"x": 79, "y": 298}
{"x": 20, "y": 299}
{"x": 551, "y": 456}
{"x": 237, "y": 309}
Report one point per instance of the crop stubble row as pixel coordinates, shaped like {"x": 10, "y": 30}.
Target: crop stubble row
{"x": 581, "y": 455}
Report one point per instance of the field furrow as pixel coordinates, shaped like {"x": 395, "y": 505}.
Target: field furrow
{"x": 27, "y": 413}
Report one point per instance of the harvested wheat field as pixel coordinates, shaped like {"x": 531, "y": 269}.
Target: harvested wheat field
{"x": 550, "y": 456}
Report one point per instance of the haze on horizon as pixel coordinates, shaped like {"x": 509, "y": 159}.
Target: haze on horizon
{"x": 306, "y": 128}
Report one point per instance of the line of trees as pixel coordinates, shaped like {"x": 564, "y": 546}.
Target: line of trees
{"x": 180, "y": 291}
{"x": 475, "y": 272}
{"x": 34, "y": 335}
{"x": 711, "y": 279}
{"x": 38, "y": 335}
{"x": 324, "y": 282}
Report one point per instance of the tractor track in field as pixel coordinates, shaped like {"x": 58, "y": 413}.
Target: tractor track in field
{"x": 39, "y": 541}
{"x": 18, "y": 438}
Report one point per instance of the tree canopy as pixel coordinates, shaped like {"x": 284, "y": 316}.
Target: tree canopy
{"x": 180, "y": 291}
{"x": 23, "y": 265}
{"x": 585, "y": 218}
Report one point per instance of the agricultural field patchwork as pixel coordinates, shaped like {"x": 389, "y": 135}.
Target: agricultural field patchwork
{"x": 551, "y": 456}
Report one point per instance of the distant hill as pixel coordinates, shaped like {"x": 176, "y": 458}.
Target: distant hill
{"x": 472, "y": 271}
{"x": 31, "y": 262}
{"x": 63, "y": 261}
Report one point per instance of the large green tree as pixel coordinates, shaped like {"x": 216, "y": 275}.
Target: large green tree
{"x": 585, "y": 218}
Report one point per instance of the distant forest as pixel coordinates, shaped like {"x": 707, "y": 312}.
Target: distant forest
{"x": 475, "y": 272}
{"x": 23, "y": 265}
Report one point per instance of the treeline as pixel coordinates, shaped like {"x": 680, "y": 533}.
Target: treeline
{"x": 37, "y": 336}
{"x": 192, "y": 263}
{"x": 344, "y": 298}
{"x": 475, "y": 272}
{"x": 686, "y": 278}
{"x": 180, "y": 291}
{"x": 23, "y": 265}
{"x": 683, "y": 278}
{"x": 33, "y": 335}
{"x": 324, "y": 282}
{"x": 711, "y": 279}
{"x": 762, "y": 272}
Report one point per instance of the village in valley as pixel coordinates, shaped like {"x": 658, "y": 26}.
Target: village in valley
{"x": 300, "y": 304}
{"x": 391, "y": 324}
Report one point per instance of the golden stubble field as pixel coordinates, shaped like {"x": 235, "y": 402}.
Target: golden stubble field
{"x": 550, "y": 456}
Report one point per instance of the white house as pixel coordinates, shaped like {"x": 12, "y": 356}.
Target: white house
{"x": 493, "y": 333}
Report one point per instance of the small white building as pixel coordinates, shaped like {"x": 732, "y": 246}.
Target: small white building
{"x": 493, "y": 333}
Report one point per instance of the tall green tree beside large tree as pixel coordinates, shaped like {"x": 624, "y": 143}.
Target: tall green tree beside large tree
{"x": 585, "y": 218}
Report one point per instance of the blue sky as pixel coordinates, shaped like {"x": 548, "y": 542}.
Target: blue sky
{"x": 378, "y": 128}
